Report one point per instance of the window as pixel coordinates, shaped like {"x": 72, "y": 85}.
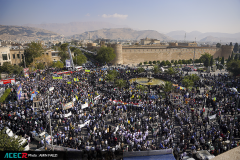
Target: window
{"x": 22, "y": 56}
{"x": 9, "y": 56}
{"x": 18, "y": 56}
{"x": 13, "y": 56}
{"x": 4, "y": 56}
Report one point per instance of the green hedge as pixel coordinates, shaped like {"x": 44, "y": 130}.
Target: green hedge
{"x": 5, "y": 95}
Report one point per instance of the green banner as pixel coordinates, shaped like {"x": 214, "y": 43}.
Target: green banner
{"x": 87, "y": 70}
{"x": 57, "y": 77}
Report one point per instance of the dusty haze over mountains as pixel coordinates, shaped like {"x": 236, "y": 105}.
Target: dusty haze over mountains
{"x": 69, "y": 29}
{"x": 122, "y": 33}
{"x": 82, "y": 30}
{"x": 205, "y": 37}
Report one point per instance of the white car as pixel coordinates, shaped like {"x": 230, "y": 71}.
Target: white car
{"x": 39, "y": 137}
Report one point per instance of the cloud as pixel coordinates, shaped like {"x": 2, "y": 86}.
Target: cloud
{"x": 115, "y": 16}
{"x": 87, "y": 15}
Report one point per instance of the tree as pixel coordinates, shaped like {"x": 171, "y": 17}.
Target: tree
{"x": 236, "y": 57}
{"x": 183, "y": 61}
{"x": 211, "y": 61}
{"x": 34, "y": 50}
{"x": 63, "y": 53}
{"x": 175, "y": 62}
{"x": 154, "y": 62}
{"x": 187, "y": 82}
{"x": 236, "y": 48}
{"x": 179, "y": 61}
{"x": 7, "y": 68}
{"x": 167, "y": 87}
{"x": 218, "y": 45}
{"x": 145, "y": 62}
{"x": 150, "y": 62}
{"x": 156, "y": 69}
{"x": 9, "y": 143}
{"x": 105, "y": 54}
{"x": 230, "y": 44}
{"x": 171, "y": 71}
{"x": 222, "y": 62}
{"x": 172, "y": 61}
{"x": 17, "y": 69}
{"x": 158, "y": 62}
{"x": 168, "y": 63}
{"x": 192, "y": 77}
{"x": 140, "y": 70}
{"x": 121, "y": 83}
{"x": 111, "y": 75}
{"x": 163, "y": 63}
{"x": 79, "y": 59}
{"x": 233, "y": 66}
{"x": 206, "y": 59}
{"x": 140, "y": 63}
{"x": 58, "y": 64}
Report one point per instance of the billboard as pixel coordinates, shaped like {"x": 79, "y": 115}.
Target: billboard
{"x": 19, "y": 92}
{"x": 68, "y": 63}
{"x": 26, "y": 72}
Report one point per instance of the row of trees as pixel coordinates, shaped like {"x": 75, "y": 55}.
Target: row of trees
{"x": 206, "y": 58}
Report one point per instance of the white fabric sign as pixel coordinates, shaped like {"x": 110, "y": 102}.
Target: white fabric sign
{"x": 68, "y": 114}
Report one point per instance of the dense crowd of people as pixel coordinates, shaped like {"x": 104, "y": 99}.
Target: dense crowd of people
{"x": 104, "y": 117}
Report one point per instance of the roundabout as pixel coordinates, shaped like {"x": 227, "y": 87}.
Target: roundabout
{"x": 145, "y": 81}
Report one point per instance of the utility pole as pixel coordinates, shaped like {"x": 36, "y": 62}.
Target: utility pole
{"x": 50, "y": 89}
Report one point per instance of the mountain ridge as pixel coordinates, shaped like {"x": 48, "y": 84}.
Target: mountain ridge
{"x": 8, "y": 32}
{"x": 121, "y": 33}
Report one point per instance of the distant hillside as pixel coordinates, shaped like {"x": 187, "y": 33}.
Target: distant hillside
{"x": 205, "y": 37}
{"x": 24, "y": 33}
{"x": 69, "y": 29}
{"x": 121, "y": 33}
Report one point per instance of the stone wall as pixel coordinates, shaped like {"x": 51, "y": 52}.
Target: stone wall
{"x": 137, "y": 55}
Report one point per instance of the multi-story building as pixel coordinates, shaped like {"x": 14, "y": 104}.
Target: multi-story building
{"x": 17, "y": 55}
{"x": 5, "y": 54}
{"x": 53, "y": 54}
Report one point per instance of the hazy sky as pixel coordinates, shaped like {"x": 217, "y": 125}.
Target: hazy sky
{"x": 161, "y": 15}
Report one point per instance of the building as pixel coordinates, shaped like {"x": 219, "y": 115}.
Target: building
{"x": 5, "y": 54}
{"x": 147, "y": 41}
{"x": 17, "y": 55}
{"x": 53, "y": 54}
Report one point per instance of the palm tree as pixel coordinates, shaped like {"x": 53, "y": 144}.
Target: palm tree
{"x": 120, "y": 83}
{"x": 167, "y": 87}
{"x": 187, "y": 83}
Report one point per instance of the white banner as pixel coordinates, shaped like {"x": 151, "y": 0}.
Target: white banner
{"x": 84, "y": 105}
{"x": 212, "y": 117}
{"x": 96, "y": 98}
{"x": 68, "y": 105}
{"x": 117, "y": 128}
{"x": 68, "y": 114}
